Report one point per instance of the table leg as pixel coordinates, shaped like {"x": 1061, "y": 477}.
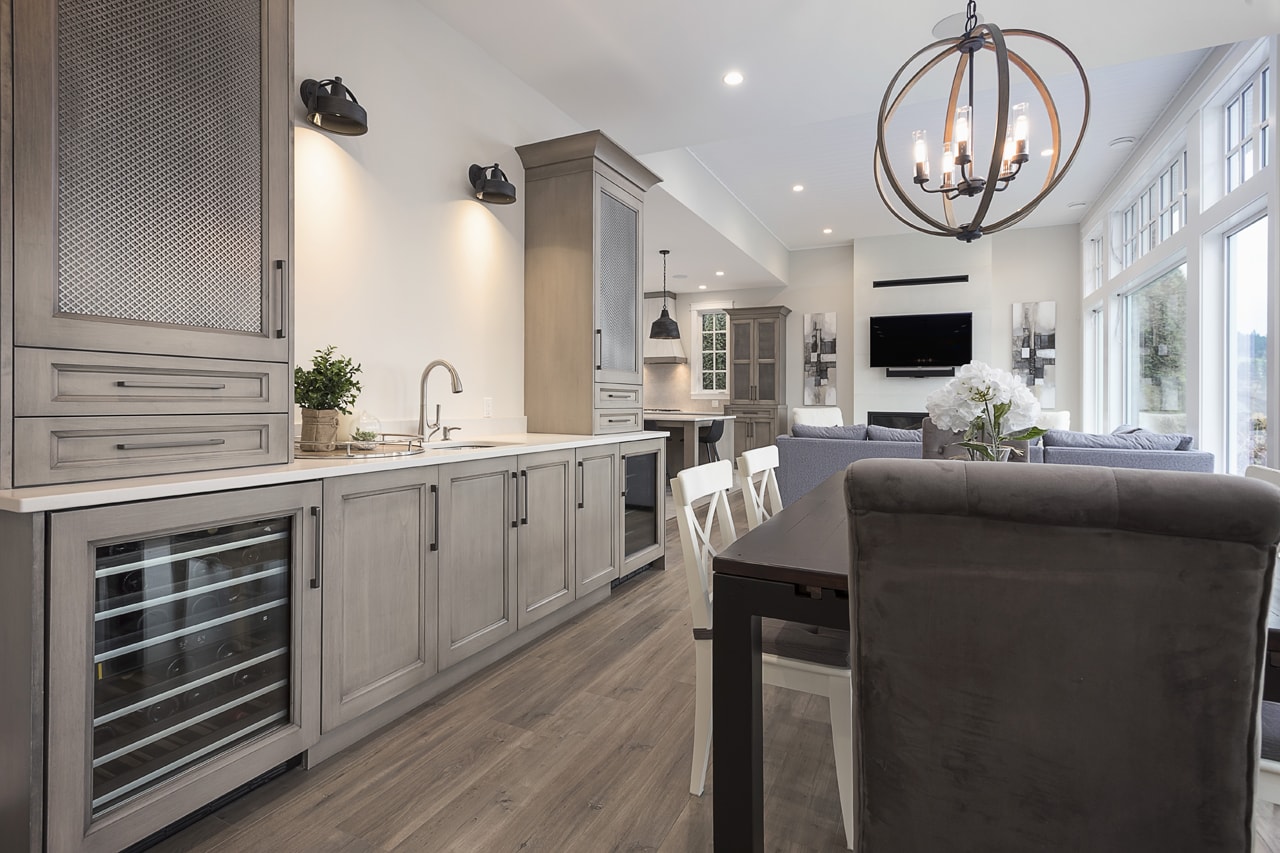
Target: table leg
{"x": 690, "y": 445}
{"x": 736, "y": 743}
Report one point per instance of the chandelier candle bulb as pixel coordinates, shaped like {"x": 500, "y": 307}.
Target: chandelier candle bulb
{"x": 963, "y": 116}
{"x": 1020, "y": 128}
{"x": 921, "y": 146}
{"x": 948, "y": 167}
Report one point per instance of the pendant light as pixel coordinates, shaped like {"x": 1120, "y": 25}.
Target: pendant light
{"x": 664, "y": 328}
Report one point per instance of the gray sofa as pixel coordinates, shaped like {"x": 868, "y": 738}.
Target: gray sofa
{"x": 805, "y": 462}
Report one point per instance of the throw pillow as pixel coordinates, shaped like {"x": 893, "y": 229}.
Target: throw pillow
{"x": 879, "y": 433}
{"x": 1127, "y": 441}
{"x": 1185, "y": 442}
{"x": 858, "y": 432}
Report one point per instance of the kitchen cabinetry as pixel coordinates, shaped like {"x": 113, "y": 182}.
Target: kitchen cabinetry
{"x": 545, "y": 544}
{"x": 599, "y": 540}
{"x": 183, "y": 655}
{"x": 170, "y": 245}
{"x": 643, "y": 504}
{"x": 584, "y": 199}
{"x": 757, "y": 374}
{"x": 477, "y": 550}
{"x": 379, "y": 585}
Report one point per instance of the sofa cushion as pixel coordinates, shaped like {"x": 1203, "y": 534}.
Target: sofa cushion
{"x": 1185, "y": 442}
{"x": 858, "y": 432}
{"x": 880, "y": 433}
{"x": 1125, "y": 441}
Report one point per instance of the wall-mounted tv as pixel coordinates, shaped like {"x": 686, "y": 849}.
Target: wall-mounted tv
{"x": 922, "y": 340}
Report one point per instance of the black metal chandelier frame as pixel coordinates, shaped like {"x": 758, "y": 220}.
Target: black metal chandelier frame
{"x": 1000, "y": 172}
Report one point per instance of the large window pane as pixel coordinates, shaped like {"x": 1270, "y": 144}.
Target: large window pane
{"x": 1247, "y": 346}
{"x": 1155, "y": 353}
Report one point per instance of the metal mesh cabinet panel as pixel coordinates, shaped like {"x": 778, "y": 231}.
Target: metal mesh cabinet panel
{"x": 617, "y": 285}
{"x": 159, "y": 162}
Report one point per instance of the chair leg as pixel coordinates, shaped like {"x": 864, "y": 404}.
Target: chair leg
{"x": 840, "y": 695}
{"x": 702, "y": 718}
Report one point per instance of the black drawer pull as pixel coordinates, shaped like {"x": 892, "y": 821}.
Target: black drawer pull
{"x": 177, "y": 386}
{"x": 156, "y": 445}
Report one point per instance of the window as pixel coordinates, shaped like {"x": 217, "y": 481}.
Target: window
{"x": 1156, "y": 213}
{"x": 1094, "y": 261}
{"x": 1246, "y": 274}
{"x": 1248, "y": 130}
{"x": 709, "y": 352}
{"x": 1155, "y": 344}
{"x": 1095, "y": 338}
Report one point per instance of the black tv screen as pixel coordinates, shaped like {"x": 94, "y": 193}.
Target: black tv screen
{"x": 922, "y": 340}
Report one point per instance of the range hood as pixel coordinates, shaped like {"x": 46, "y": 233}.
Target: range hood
{"x": 657, "y": 351}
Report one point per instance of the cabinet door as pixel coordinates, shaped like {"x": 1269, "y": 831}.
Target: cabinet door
{"x": 145, "y": 222}
{"x": 742, "y": 380}
{"x": 183, "y": 656}
{"x": 599, "y": 547}
{"x": 379, "y": 588}
{"x": 617, "y": 287}
{"x": 545, "y": 545}
{"x": 477, "y": 548}
{"x": 643, "y": 503}
{"x": 767, "y": 343}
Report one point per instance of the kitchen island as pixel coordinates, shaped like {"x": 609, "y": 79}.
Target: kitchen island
{"x": 686, "y": 425}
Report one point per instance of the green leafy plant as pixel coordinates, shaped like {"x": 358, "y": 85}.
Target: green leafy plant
{"x": 364, "y": 435}
{"x": 330, "y": 383}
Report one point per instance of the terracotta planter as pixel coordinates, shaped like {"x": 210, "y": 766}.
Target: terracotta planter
{"x": 319, "y": 429}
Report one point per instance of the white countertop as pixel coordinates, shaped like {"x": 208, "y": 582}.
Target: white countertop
{"x": 682, "y": 417}
{"x": 75, "y": 495}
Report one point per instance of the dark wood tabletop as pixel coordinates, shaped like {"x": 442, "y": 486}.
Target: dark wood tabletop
{"x": 807, "y": 544}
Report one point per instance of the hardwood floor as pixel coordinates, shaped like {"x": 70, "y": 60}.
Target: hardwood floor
{"x": 580, "y": 742}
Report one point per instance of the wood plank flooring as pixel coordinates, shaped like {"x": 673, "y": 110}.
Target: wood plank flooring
{"x": 579, "y": 742}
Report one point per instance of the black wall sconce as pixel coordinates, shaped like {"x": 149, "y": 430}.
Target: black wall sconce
{"x": 492, "y": 187}
{"x": 333, "y": 107}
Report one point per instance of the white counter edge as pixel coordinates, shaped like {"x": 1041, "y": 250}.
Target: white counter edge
{"x": 78, "y": 495}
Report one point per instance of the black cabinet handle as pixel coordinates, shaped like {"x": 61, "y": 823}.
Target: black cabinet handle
{"x": 599, "y": 350}
{"x": 282, "y": 283}
{"x": 524, "y": 481}
{"x": 515, "y": 500}
{"x": 318, "y": 514}
{"x": 581, "y": 486}
{"x": 435, "y": 518}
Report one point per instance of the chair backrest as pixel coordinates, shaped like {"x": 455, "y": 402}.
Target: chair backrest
{"x": 712, "y": 432}
{"x": 1266, "y": 475}
{"x": 758, "y": 480}
{"x": 696, "y": 535}
{"x": 1056, "y": 657}
{"x": 817, "y": 416}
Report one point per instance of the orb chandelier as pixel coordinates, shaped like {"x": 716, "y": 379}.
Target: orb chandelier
{"x": 972, "y": 167}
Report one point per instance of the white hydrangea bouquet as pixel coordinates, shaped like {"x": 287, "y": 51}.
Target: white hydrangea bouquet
{"x": 990, "y": 406}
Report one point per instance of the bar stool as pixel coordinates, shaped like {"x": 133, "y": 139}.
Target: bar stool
{"x": 708, "y": 436}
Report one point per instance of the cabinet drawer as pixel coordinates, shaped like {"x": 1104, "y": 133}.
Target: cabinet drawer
{"x": 65, "y": 382}
{"x": 617, "y": 420}
{"x": 68, "y": 450}
{"x": 617, "y": 396}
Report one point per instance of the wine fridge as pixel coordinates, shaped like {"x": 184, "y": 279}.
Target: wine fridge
{"x": 643, "y": 504}
{"x": 182, "y": 655}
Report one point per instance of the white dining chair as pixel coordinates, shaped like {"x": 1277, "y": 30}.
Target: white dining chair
{"x": 758, "y": 480}
{"x": 1268, "y": 789}
{"x": 797, "y": 657}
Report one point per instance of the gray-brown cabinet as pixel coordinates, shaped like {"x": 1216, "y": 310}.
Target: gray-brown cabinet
{"x": 546, "y": 544}
{"x": 146, "y": 226}
{"x": 379, "y": 582}
{"x": 584, "y": 201}
{"x": 757, "y": 375}
{"x": 598, "y": 533}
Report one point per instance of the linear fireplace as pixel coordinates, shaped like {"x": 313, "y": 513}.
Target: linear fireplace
{"x": 896, "y": 420}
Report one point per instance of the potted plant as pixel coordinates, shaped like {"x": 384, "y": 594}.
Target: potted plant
{"x": 329, "y": 387}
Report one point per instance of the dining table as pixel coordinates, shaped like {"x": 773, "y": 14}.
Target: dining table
{"x": 795, "y": 566}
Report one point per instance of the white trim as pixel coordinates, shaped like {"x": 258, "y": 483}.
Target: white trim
{"x": 695, "y": 349}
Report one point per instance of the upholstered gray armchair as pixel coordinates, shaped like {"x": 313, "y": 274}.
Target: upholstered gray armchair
{"x": 1056, "y": 658}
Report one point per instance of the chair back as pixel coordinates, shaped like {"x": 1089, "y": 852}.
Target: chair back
{"x": 696, "y": 534}
{"x": 758, "y": 480}
{"x": 1266, "y": 475}
{"x": 1056, "y": 657}
{"x": 712, "y": 432}
{"x": 817, "y": 416}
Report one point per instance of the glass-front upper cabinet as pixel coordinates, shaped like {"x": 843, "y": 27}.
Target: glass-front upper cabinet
{"x": 180, "y": 635}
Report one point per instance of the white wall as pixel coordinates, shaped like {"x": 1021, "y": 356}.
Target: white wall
{"x": 395, "y": 262}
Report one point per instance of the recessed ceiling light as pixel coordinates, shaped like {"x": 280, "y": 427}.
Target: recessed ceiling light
{"x": 702, "y": 287}
{"x": 1048, "y": 152}
{"x": 719, "y": 272}
{"x": 826, "y": 230}
{"x": 733, "y": 78}
{"x": 798, "y": 188}
{"x": 1121, "y": 141}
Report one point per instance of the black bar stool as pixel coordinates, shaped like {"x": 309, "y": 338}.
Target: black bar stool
{"x": 708, "y": 436}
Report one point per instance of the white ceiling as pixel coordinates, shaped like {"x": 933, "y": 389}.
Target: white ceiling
{"x": 649, "y": 75}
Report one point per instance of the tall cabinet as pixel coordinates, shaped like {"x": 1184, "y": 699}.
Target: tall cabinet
{"x": 584, "y": 200}
{"x": 757, "y": 375}
{"x": 151, "y": 242}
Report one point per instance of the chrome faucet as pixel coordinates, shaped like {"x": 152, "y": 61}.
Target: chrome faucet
{"x": 424, "y": 423}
